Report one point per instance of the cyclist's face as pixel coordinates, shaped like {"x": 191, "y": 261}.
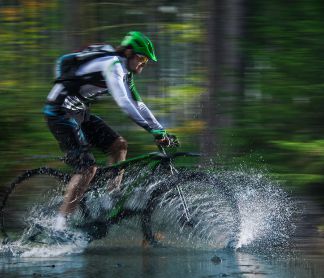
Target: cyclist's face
{"x": 136, "y": 63}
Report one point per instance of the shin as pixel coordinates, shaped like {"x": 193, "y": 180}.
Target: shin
{"x": 117, "y": 152}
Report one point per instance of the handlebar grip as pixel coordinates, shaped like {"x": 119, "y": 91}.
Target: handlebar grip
{"x": 168, "y": 142}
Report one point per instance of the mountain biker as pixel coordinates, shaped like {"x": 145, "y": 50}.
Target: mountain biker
{"x": 76, "y": 129}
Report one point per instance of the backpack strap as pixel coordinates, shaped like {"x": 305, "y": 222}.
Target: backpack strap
{"x": 67, "y": 65}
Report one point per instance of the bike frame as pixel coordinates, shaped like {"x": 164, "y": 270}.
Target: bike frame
{"x": 155, "y": 159}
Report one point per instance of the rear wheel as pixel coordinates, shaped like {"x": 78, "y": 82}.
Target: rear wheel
{"x": 26, "y": 192}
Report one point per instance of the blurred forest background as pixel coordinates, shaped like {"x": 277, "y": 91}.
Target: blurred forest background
{"x": 241, "y": 81}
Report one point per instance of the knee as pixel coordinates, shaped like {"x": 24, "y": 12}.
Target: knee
{"x": 91, "y": 171}
{"x": 120, "y": 144}
{"x": 87, "y": 172}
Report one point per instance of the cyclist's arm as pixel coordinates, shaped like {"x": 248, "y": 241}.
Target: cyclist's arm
{"x": 120, "y": 91}
{"x": 141, "y": 106}
{"x": 148, "y": 116}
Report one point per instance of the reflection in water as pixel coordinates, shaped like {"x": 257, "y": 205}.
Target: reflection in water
{"x": 160, "y": 262}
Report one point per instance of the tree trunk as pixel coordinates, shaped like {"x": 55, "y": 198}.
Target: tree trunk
{"x": 224, "y": 61}
{"x": 72, "y": 24}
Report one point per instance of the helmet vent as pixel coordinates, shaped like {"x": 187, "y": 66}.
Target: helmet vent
{"x": 139, "y": 43}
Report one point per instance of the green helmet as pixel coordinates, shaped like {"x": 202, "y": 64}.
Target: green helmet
{"x": 140, "y": 44}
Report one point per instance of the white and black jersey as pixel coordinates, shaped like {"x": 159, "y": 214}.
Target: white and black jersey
{"x": 102, "y": 76}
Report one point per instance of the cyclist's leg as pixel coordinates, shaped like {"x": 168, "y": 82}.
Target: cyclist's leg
{"x": 118, "y": 152}
{"x": 76, "y": 189}
{"x": 72, "y": 140}
{"x": 110, "y": 142}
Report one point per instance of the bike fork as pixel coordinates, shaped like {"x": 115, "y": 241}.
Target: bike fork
{"x": 184, "y": 204}
{"x": 182, "y": 198}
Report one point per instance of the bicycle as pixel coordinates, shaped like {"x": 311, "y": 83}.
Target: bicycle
{"x": 160, "y": 179}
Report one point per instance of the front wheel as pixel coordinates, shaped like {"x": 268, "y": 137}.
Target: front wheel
{"x": 207, "y": 210}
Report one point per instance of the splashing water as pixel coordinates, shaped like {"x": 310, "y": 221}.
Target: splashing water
{"x": 265, "y": 210}
{"x": 232, "y": 209}
{"x": 74, "y": 243}
{"x": 227, "y": 209}
{"x": 49, "y": 245}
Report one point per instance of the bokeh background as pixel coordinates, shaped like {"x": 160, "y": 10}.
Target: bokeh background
{"x": 241, "y": 81}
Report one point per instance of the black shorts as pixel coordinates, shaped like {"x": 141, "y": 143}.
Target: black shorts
{"x": 76, "y": 138}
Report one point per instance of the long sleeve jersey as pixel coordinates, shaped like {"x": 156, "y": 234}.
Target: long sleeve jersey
{"x": 104, "y": 75}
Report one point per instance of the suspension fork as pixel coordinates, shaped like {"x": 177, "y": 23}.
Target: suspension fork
{"x": 174, "y": 171}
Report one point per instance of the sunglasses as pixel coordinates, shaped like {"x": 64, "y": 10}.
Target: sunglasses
{"x": 142, "y": 59}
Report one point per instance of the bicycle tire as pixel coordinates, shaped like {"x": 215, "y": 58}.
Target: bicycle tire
{"x": 27, "y": 178}
{"x": 184, "y": 178}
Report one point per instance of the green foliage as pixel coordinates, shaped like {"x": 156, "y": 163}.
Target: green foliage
{"x": 185, "y": 32}
{"x": 282, "y": 114}
{"x": 279, "y": 116}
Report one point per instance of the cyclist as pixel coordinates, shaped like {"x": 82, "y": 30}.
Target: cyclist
{"x": 76, "y": 129}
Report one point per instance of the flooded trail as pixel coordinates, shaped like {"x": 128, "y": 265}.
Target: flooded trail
{"x": 247, "y": 227}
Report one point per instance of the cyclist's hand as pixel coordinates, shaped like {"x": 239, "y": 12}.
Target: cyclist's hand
{"x": 164, "y": 139}
{"x": 169, "y": 141}
{"x": 158, "y": 133}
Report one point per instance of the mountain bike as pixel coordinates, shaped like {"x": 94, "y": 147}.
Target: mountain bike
{"x": 153, "y": 173}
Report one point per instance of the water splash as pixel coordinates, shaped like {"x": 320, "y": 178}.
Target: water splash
{"x": 265, "y": 210}
{"x": 69, "y": 242}
{"x": 236, "y": 209}
{"x": 231, "y": 209}
{"x": 20, "y": 249}
{"x": 50, "y": 243}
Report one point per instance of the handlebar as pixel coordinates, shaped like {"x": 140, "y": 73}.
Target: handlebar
{"x": 163, "y": 153}
{"x": 169, "y": 141}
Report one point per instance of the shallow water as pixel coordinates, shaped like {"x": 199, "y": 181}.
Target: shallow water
{"x": 275, "y": 236}
{"x": 162, "y": 262}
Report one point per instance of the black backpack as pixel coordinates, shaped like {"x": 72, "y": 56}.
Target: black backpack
{"x": 67, "y": 65}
